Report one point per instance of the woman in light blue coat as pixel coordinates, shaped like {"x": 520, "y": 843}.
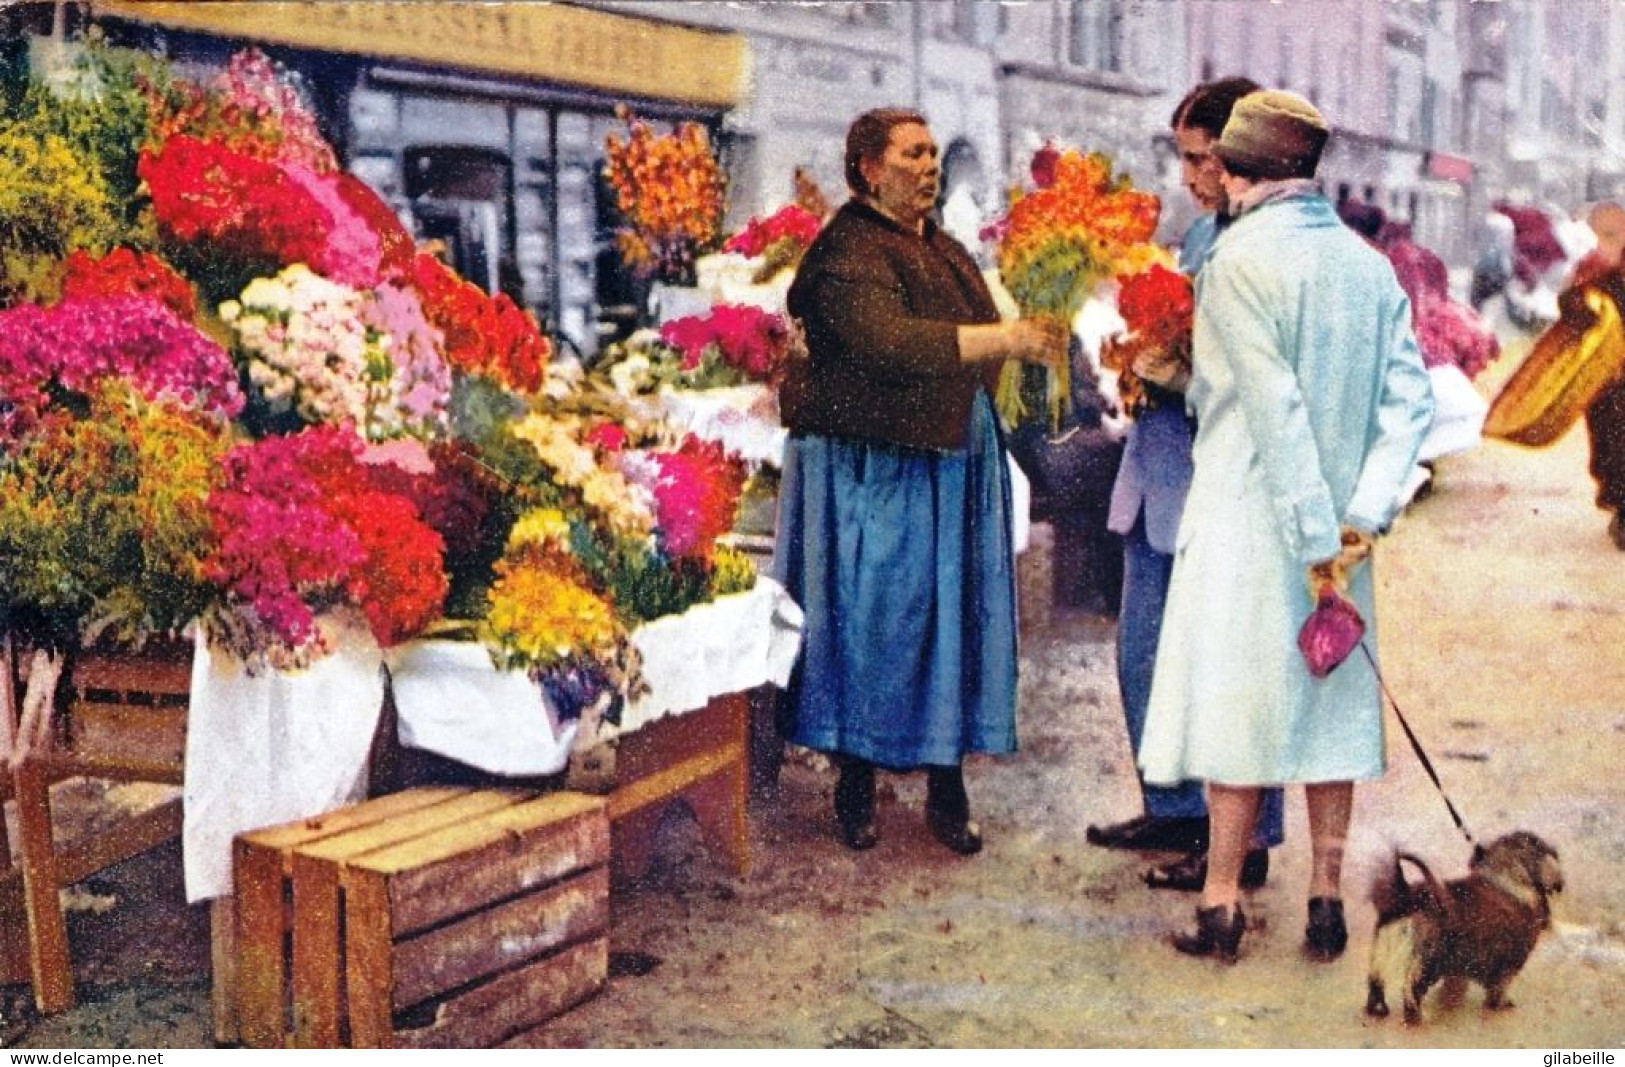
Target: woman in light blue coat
{"x": 1311, "y": 401}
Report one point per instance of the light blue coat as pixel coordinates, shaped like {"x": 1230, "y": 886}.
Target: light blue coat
{"x": 1311, "y": 401}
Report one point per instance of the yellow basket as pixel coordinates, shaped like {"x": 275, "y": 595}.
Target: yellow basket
{"x": 1563, "y": 373}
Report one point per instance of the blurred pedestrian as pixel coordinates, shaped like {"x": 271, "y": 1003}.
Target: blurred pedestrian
{"x": 894, "y": 523}
{"x": 1146, "y": 502}
{"x": 1310, "y": 401}
{"x": 1605, "y": 415}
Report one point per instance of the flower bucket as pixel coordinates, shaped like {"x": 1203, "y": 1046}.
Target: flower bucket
{"x": 274, "y": 746}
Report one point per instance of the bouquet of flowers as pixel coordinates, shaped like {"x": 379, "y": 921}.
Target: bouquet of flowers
{"x": 1078, "y": 227}
{"x": 302, "y": 526}
{"x": 670, "y": 189}
{"x": 1158, "y": 307}
{"x": 103, "y": 517}
{"x": 780, "y": 239}
{"x": 731, "y": 344}
{"x": 51, "y": 355}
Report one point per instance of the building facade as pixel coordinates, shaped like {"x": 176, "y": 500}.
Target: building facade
{"x": 484, "y": 123}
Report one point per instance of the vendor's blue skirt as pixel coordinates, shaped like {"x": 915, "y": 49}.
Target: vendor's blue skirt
{"x": 902, "y": 561}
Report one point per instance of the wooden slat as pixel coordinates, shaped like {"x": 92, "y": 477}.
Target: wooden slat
{"x": 407, "y": 826}
{"x": 511, "y": 1006}
{"x": 286, "y": 836}
{"x": 260, "y": 883}
{"x": 136, "y": 673}
{"x": 666, "y": 741}
{"x": 128, "y": 731}
{"x": 367, "y": 956}
{"x": 496, "y": 939}
{"x": 672, "y": 781}
{"x": 135, "y": 835}
{"x": 526, "y": 858}
{"x": 47, "y": 932}
{"x": 223, "y": 981}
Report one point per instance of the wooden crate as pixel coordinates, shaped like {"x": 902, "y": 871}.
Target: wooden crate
{"x": 277, "y": 924}
{"x": 470, "y": 935}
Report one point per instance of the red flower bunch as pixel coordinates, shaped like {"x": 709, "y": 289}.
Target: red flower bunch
{"x": 1158, "y": 304}
{"x": 746, "y": 338}
{"x": 123, "y": 272}
{"x": 82, "y": 341}
{"x": 302, "y": 526}
{"x": 696, "y": 496}
{"x": 203, "y": 192}
{"x": 790, "y": 223}
{"x": 485, "y": 335}
{"x": 608, "y": 437}
{"x": 274, "y": 214}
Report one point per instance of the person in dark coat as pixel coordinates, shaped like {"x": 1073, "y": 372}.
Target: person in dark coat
{"x": 894, "y": 523}
{"x": 1147, "y": 501}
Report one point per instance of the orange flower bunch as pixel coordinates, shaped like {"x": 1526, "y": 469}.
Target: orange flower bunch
{"x": 670, "y": 189}
{"x": 1080, "y": 226}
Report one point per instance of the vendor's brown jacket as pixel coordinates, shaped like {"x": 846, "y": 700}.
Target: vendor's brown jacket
{"x": 881, "y": 307}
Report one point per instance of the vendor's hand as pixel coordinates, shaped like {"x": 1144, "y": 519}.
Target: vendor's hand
{"x": 1040, "y": 341}
{"x": 1161, "y": 367}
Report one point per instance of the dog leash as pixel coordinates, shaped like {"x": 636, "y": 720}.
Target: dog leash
{"x": 1427, "y": 764}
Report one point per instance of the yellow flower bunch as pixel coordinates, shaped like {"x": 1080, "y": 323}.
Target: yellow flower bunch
{"x": 52, "y": 201}
{"x": 541, "y": 528}
{"x": 539, "y": 618}
{"x": 670, "y": 189}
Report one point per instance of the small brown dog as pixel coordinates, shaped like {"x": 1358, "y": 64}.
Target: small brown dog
{"x": 1481, "y": 927}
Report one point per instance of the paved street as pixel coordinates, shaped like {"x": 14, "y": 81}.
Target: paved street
{"x": 1504, "y": 614}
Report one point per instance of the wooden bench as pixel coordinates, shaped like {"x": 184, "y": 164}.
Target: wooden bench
{"x": 126, "y": 722}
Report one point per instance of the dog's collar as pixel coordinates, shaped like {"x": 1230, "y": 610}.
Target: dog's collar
{"x": 1530, "y": 896}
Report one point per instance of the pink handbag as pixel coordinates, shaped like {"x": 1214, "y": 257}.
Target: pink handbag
{"x": 1330, "y": 633}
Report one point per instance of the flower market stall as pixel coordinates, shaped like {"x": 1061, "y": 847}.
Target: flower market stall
{"x": 239, "y": 405}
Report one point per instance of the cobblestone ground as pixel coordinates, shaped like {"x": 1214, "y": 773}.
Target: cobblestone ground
{"x": 1502, "y": 620}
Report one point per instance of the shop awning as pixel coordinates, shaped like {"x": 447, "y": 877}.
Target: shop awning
{"x": 573, "y": 45}
{"x": 1446, "y": 167}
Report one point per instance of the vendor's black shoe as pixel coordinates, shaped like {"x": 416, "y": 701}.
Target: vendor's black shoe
{"x": 1326, "y": 935}
{"x": 1189, "y": 874}
{"x": 1217, "y": 934}
{"x": 1151, "y": 833}
{"x": 855, "y": 805}
{"x": 957, "y": 835}
{"x": 947, "y": 810}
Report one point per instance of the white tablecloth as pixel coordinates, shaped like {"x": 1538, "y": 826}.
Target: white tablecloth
{"x": 289, "y": 745}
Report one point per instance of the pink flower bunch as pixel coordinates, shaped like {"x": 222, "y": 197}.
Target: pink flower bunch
{"x": 252, "y": 86}
{"x": 82, "y": 341}
{"x": 1452, "y": 333}
{"x": 746, "y": 338}
{"x": 790, "y": 223}
{"x": 696, "y": 491}
{"x": 420, "y": 387}
{"x": 302, "y": 526}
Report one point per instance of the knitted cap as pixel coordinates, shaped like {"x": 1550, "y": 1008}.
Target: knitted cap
{"x": 1273, "y": 134}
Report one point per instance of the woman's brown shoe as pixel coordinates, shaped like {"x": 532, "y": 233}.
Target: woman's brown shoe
{"x": 1217, "y": 934}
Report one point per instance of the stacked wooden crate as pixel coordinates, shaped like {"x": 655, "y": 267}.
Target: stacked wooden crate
{"x": 438, "y": 917}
